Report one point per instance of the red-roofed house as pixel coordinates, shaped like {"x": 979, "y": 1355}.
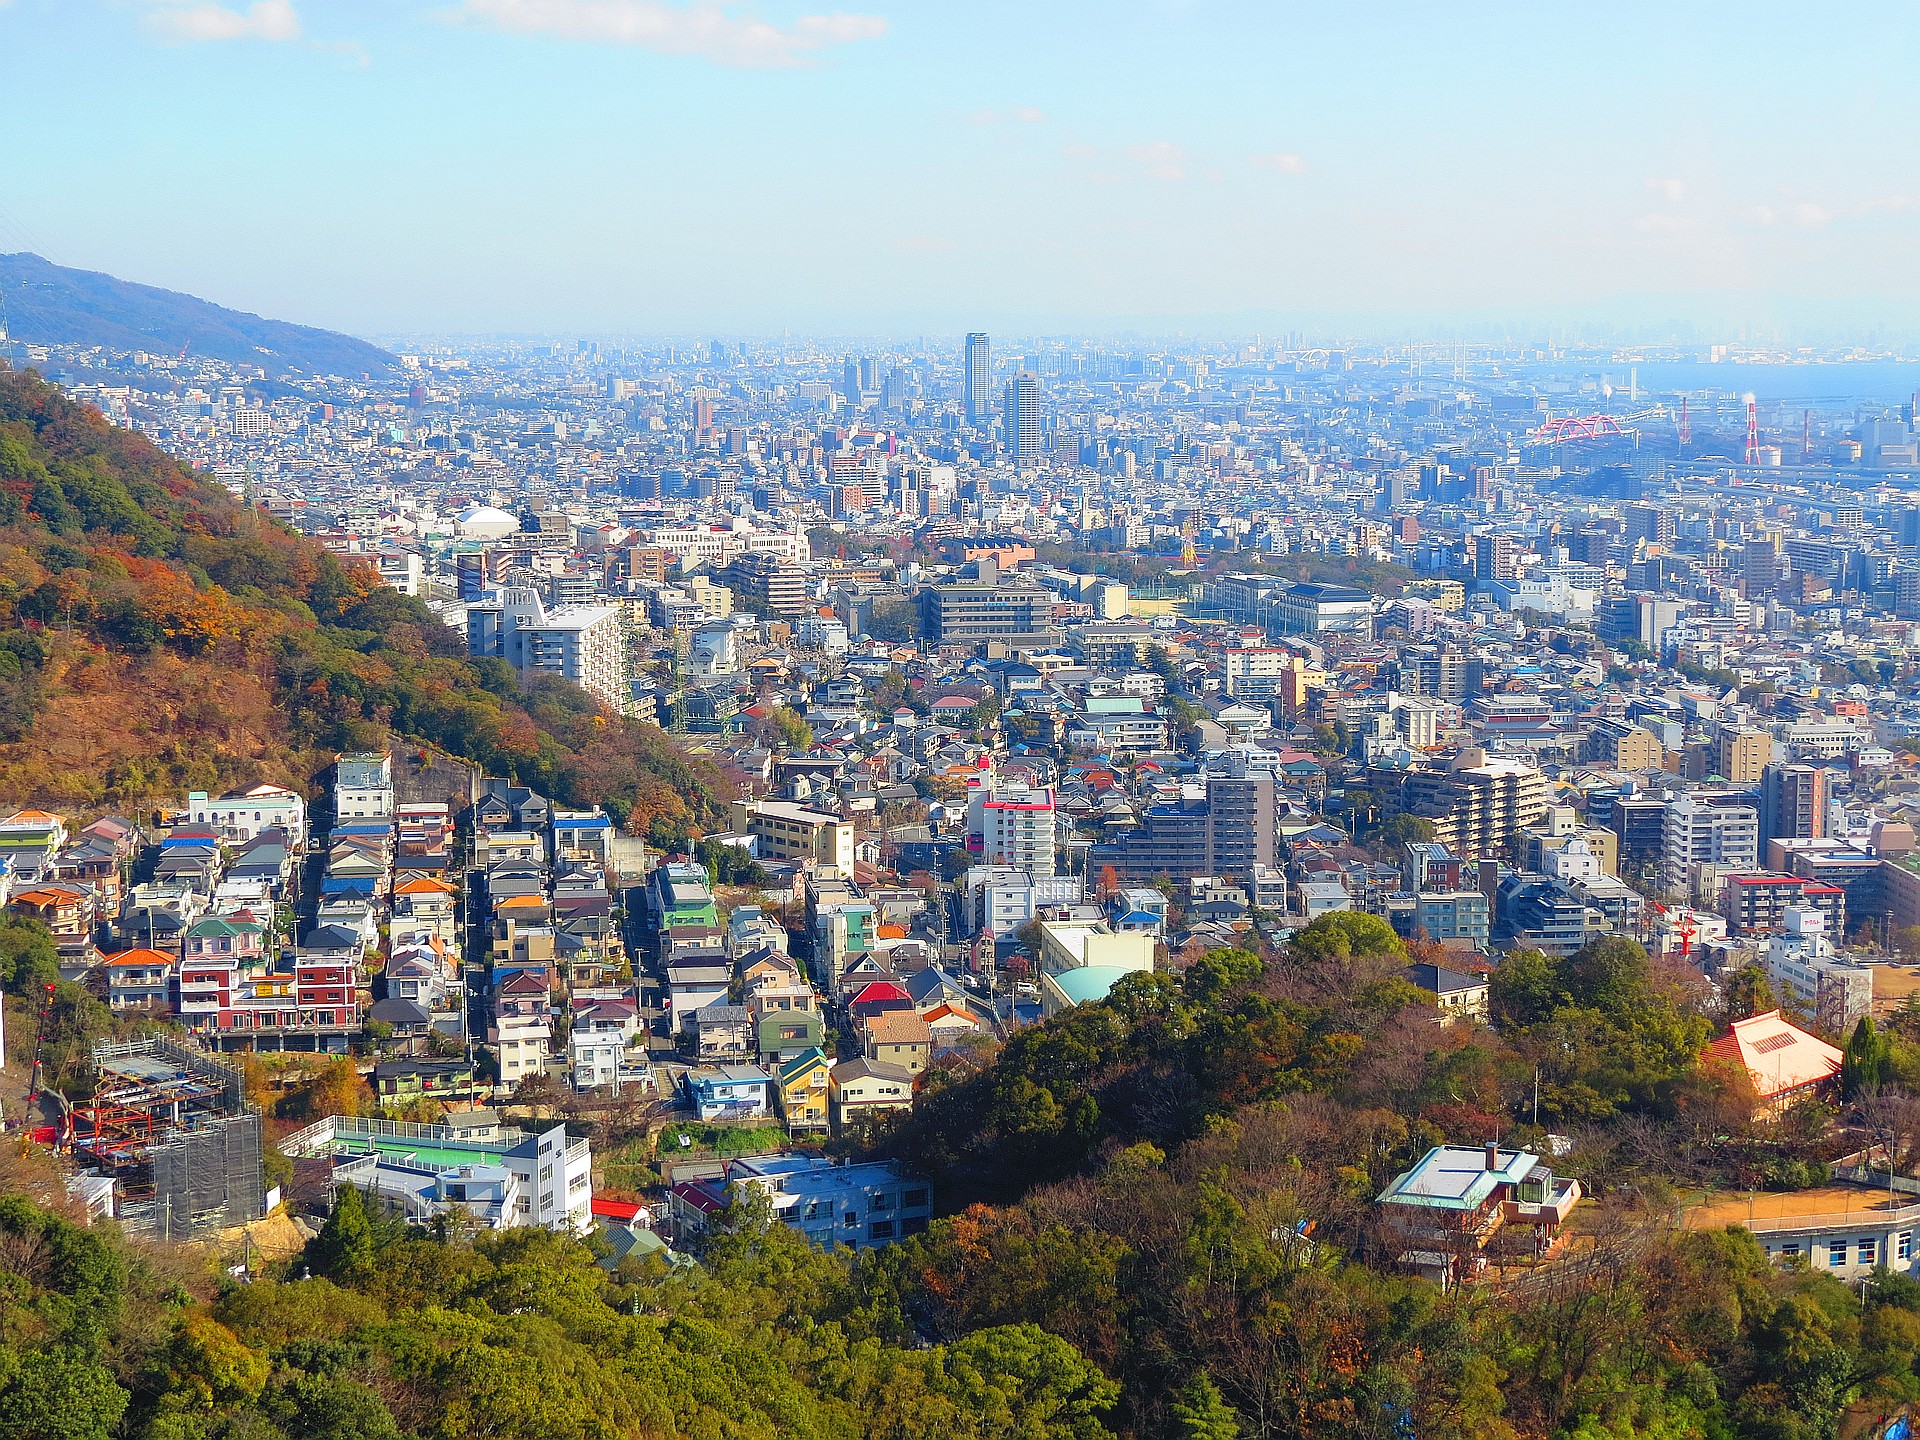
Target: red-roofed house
{"x": 1784, "y": 1062}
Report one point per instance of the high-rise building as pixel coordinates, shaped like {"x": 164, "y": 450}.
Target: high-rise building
{"x": 1741, "y": 757}
{"x": 1793, "y": 802}
{"x": 1228, "y": 833}
{"x": 1022, "y": 419}
{"x": 1652, "y": 523}
{"x": 1708, "y": 829}
{"x": 1763, "y": 566}
{"x": 1477, "y": 803}
{"x": 979, "y": 378}
{"x": 586, "y": 644}
{"x": 1493, "y": 558}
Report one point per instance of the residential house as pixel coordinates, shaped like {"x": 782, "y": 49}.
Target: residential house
{"x": 803, "y": 1088}
{"x": 899, "y": 1037}
{"x": 723, "y": 1032}
{"x": 425, "y": 905}
{"x": 861, "y": 1091}
{"x": 1460, "y": 999}
{"x": 729, "y": 1092}
{"x": 140, "y": 980}
{"x": 1462, "y": 1204}
{"x": 521, "y": 1033}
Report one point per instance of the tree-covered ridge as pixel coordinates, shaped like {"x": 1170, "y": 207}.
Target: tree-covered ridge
{"x": 518, "y": 1335}
{"x": 157, "y": 634}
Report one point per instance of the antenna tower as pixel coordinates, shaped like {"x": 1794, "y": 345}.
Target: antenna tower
{"x": 1686, "y": 424}
{"x": 1753, "y": 430}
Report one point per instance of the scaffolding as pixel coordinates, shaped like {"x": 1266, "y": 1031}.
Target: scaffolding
{"x": 172, "y": 1128}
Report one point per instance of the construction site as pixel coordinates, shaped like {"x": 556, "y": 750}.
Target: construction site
{"x": 172, "y": 1130}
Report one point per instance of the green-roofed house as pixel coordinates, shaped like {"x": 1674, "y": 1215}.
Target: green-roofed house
{"x": 1465, "y": 1203}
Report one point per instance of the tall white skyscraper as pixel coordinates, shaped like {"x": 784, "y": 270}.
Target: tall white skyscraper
{"x": 1022, "y": 419}
{"x": 979, "y": 378}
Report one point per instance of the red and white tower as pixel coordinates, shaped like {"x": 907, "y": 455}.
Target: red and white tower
{"x": 1753, "y": 430}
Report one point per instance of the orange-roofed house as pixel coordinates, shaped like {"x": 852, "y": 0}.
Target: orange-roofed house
{"x": 140, "y": 980}
{"x": 68, "y": 911}
{"x": 425, "y": 906}
{"x": 1785, "y": 1063}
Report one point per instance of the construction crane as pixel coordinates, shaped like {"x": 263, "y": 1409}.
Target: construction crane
{"x": 40, "y": 1019}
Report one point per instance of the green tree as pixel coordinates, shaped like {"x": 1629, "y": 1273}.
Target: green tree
{"x": 787, "y": 727}
{"x": 1865, "y": 1061}
{"x": 344, "y": 1249}
{"x": 1202, "y": 1413}
{"x": 1023, "y": 1383}
{"x": 1748, "y": 993}
{"x": 57, "y": 1395}
{"x": 1346, "y": 935}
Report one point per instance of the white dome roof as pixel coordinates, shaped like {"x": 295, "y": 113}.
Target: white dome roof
{"x": 486, "y": 522}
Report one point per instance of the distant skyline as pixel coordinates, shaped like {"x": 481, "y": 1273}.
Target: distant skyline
{"x": 643, "y": 166}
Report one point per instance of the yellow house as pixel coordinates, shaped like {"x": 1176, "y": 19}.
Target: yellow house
{"x": 803, "y": 1087}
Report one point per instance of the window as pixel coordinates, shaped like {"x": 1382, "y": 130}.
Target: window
{"x": 1869, "y": 1251}
{"x": 1837, "y": 1253}
{"x": 880, "y": 1230}
{"x": 1903, "y": 1245}
{"x": 911, "y": 1199}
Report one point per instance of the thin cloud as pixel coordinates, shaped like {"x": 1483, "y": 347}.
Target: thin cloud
{"x": 1021, "y": 115}
{"x": 708, "y": 29}
{"x": 1161, "y": 159}
{"x": 1282, "y": 163}
{"x": 1802, "y": 213}
{"x": 263, "y": 20}
{"x": 1667, "y": 187}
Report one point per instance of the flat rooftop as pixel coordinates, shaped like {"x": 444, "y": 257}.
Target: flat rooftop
{"x": 1803, "y": 1209}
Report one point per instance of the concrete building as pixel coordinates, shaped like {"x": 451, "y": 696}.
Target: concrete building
{"x": 786, "y": 831}
{"x": 1476, "y": 803}
{"x": 1793, "y": 802}
{"x": 1021, "y": 419}
{"x": 1011, "y": 609}
{"x": 583, "y": 643}
{"x": 979, "y": 379}
{"x": 499, "y": 1177}
{"x": 1314, "y": 609}
{"x": 1707, "y": 829}
{"x": 858, "y": 1206}
{"x": 1741, "y": 756}
{"x": 1805, "y": 971}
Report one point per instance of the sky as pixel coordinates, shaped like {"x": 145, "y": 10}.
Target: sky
{"x": 909, "y": 167}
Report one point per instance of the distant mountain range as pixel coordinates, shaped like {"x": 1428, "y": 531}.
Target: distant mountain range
{"x": 48, "y": 304}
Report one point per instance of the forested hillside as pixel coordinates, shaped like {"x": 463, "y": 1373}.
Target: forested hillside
{"x": 157, "y": 635}
{"x": 1180, "y": 1181}
{"x": 49, "y": 304}
{"x": 1222, "y": 1285}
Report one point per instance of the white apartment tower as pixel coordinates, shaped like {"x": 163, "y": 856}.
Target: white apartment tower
{"x": 586, "y": 644}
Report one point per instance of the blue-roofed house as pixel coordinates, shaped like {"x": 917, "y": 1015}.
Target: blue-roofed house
{"x": 1465, "y": 1203}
